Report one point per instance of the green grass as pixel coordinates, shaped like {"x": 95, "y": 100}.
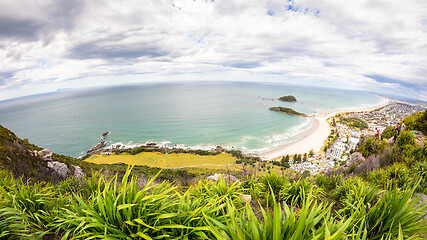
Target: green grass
{"x": 155, "y": 159}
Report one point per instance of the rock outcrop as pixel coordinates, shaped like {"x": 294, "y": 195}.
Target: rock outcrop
{"x": 371, "y": 163}
{"x": 98, "y": 146}
{"x": 59, "y": 168}
{"x": 78, "y": 172}
{"x": 45, "y": 154}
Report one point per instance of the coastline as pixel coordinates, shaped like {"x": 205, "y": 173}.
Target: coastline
{"x": 315, "y": 137}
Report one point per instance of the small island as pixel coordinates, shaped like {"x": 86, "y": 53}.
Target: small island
{"x": 288, "y": 111}
{"x": 288, "y": 98}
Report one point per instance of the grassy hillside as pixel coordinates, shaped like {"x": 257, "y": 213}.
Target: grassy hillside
{"x": 17, "y": 156}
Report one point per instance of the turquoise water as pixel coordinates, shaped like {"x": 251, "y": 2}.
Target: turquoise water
{"x": 194, "y": 114}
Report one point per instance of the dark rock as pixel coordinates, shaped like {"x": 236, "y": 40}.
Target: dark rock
{"x": 98, "y": 146}
{"x": 105, "y": 134}
{"x": 219, "y": 149}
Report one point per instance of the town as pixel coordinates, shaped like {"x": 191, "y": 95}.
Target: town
{"x": 347, "y": 131}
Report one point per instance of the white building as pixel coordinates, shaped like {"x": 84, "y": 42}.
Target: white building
{"x": 354, "y": 139}
{"x": 337, "y": 149}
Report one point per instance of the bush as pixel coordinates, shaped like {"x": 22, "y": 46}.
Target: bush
{"x": 419, "y": 171}
{"x": 353, "y": 192}
{"x": 252, "y": 187}
{"x": 272, "y": 183}
{"x": 388, "y": 133}
{"x": 296, "y": 192}
{"x": 394, "y": 214}
{"x": 405, "y": 141}
{"x": 417, "y": 121}
{"x": 328, "y": 183}
{"x": 371, "y": 146}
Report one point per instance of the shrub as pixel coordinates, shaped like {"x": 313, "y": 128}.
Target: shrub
{"x": 252, "y": 187}
{"x": 272, "y": 183}
{"x": 387, "y": 133}
{"x": 353, "y": 192}
{"x": 328, "y": 183}
{"x": 405, "y": 141}
{"x": 371, "y": 146}
{"x": 296, "y": 192}
{"x": 419, "y": 172}
{"x": 123, "y": 212}
{"x": 417, "y": 121}
{"x": 218, "y": 189}
{"x": 311, "y": 221}
{"x": 395, "y": 213}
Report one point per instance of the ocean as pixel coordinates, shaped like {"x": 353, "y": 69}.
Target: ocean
{"x": 230, "y": 114}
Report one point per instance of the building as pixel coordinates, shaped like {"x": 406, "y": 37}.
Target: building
{"x": 354, "y": 139}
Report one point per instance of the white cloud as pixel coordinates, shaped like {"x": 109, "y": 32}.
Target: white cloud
{"x": 359, "y": 44}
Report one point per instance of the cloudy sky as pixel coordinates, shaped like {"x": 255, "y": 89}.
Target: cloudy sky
{"x": 379, "y": 46}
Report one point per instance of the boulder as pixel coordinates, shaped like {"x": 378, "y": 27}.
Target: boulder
{"x": 78, "y": 172}
{"x": 355, "y": 159}
{"x": 59, "y": 168}
{"x": 226, "y": 177}
{"x": 45, "y": 154}
{"x": 245, "y": 198}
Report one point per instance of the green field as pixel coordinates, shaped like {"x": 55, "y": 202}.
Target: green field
{"x": 174, "y": 160}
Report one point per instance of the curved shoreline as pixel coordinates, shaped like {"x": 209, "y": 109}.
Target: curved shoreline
{"x": 315, "y": 137}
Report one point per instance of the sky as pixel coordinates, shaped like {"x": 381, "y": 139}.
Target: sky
{"x": 370, "y": 45}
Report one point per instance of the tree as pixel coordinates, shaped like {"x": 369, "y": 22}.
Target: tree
{"x": 311, "y": 153}
{"x": 305, "y": 157}
{"x": 297, "y": 158}
{"x": 285, "y": 162}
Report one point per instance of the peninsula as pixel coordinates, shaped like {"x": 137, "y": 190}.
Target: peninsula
{"x": 288, "y": 111}
{"x": 288, "y": 98}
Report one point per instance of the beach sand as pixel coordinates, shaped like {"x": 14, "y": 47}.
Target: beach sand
{"x": 314, "y": 139}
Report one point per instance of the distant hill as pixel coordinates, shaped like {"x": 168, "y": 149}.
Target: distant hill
{"x": 288, "y": 98}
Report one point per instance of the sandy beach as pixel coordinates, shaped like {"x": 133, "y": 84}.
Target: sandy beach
{"x": 314, "y": 139}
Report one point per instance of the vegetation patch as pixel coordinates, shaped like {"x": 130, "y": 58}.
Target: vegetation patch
{"x": 174, "y": 160}
{"x": 288, "y": 111}
{"x": 288, "y": 98}
{"x": 353, "y": 122}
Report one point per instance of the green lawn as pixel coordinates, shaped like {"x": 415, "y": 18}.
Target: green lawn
{"x": 155, "y": 159}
